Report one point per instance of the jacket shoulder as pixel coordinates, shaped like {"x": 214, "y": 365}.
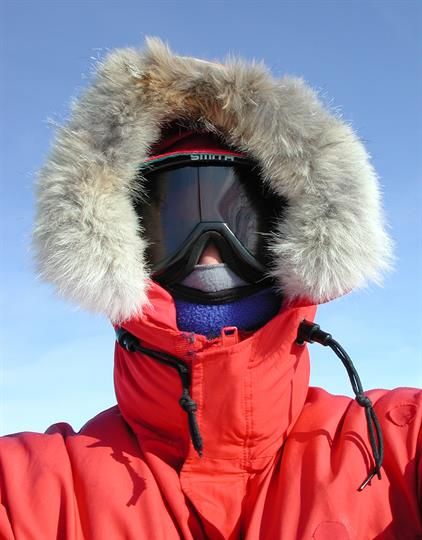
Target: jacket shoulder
{"x": 317, "y": 394}
{"x": 37, "y": 458}
{"x": 38, "y": 482}
{"x": 329, "y": 454}
{"x": 56, "y": 436}
{"x": 400, "y": 407}
{"x": 405, "y": 403}
{"x": 399, "y": 412}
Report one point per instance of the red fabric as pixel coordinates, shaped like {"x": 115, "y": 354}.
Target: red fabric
{"x": 179, "y": 141}
{"x": 280, "y": 461}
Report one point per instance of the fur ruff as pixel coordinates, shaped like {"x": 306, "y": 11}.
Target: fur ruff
{"x": 87, "y": 238}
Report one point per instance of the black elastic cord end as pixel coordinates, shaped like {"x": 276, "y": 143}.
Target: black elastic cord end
{"x": 367, "y": 481}
{"x": 310, "y": 332}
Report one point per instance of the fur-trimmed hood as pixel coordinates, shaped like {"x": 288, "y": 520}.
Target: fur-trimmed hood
{"x": 88, "y": 241}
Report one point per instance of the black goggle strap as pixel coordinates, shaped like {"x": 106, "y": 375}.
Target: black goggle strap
{"x": 193, "y": 158}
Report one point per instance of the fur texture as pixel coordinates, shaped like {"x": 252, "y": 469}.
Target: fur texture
{"x": 87, "y": 236}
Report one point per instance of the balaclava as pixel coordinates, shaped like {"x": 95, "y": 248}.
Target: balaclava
{"x": 214, "y": 296}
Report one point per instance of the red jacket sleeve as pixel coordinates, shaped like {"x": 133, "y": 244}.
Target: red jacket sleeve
{"x": 37, "y": 498}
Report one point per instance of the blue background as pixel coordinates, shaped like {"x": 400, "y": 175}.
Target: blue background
{"x": 363, "y": 58}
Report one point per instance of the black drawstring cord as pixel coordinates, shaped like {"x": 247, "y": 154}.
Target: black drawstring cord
{"x": 131, "y": 344}
{"x": 310, "y": 333}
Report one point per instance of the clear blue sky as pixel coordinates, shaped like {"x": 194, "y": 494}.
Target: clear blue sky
{"x": 363, "y": 57}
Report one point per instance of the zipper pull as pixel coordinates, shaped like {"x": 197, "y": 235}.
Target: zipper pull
{"x": 229, "y": 336}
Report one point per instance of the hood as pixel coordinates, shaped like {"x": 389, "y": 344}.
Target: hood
{"x": 88, "y": 239}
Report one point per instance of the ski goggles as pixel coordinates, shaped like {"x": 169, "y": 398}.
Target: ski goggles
{"x": 190, "y": 200}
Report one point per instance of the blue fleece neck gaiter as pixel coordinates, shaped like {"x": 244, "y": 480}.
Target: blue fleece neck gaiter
{"x": 247, "y": 313}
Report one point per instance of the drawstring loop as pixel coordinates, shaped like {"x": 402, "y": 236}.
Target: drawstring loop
{"x": 311, "y": 332}
{"x": 131, "y": 344}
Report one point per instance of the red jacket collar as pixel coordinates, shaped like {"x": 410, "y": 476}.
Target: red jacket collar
{"x": 248, "y": 392}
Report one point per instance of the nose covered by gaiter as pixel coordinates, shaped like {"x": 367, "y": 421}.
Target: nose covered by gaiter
{"x": 245, "y": 311}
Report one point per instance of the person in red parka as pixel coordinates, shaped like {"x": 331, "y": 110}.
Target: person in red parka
{"x": 206, "y": 209}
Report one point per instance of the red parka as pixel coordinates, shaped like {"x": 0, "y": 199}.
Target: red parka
{"x": 280, "y": 460}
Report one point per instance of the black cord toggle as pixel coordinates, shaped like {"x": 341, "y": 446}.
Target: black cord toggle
{"x": 126, "y": 340}
{"x": 311, "y": 332}
{"x": 131, "y": 344}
